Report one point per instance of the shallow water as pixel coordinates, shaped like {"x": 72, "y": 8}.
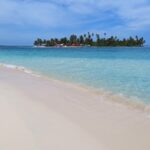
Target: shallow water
{"x": 124, "y": 71}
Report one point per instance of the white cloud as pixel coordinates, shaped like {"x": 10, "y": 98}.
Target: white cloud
{"x": 31, "y": 12}
{"x": 52, "y": 13}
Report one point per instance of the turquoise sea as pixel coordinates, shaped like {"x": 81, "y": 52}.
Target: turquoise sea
{"x": 123, "y": 71}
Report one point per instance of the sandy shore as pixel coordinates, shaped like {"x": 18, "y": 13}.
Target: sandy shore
{"x": 41, "y": 114}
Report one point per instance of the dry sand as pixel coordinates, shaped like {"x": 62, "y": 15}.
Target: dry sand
{"x": 41, "y": 114}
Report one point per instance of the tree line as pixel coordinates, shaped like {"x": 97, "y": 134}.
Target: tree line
{"x": 90, "y": 39}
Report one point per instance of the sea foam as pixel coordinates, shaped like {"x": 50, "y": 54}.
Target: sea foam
{"x": 19, "y": 68}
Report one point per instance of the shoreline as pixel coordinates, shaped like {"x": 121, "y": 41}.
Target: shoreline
{"x": 51, "y": 114}
{"x": 89, "y": 47}
{"x": 108, "y": 95}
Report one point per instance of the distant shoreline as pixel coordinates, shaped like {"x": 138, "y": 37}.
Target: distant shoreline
{"x": 85, "y": 46}
{"x": 89, "y": 46}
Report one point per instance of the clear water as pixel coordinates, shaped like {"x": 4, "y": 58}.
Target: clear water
{"x": 120, "y": 70}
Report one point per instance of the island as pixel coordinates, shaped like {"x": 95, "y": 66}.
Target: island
{"x": 90, "y": 40}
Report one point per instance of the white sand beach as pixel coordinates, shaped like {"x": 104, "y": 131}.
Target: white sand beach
{"x": 41, "y": 114}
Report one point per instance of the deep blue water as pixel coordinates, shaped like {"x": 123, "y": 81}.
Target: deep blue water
{"x": 120, "y": 70}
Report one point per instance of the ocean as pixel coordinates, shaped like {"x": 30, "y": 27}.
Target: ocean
{"x": 122, "y": 71}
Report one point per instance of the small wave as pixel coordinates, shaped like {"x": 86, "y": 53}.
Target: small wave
{"x": 19, "y": 68}
{"x": 121, "y": 99}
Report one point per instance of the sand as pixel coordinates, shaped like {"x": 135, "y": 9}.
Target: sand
{"x": 41, "y": 114}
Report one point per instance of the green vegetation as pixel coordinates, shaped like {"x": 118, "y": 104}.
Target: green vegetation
{"x": 90, "y": 39}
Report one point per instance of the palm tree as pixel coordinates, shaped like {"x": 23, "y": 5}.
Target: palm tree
{"x": 87, "y": 39}
{"x": 105, "y": 34}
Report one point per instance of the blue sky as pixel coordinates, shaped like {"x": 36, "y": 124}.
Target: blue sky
{"x": 22, "y": 21}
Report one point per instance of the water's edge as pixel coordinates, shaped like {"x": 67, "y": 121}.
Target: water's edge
{"x": 108, "y": 95}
